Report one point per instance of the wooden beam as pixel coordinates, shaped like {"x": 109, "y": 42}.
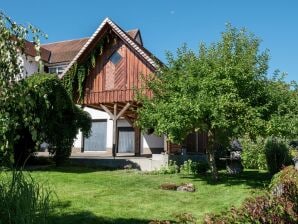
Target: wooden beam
{"x": 137, "y": 141}
{"x": 114, "y": 130}
{"x": 107, "y": 110}
{"x": 123, "y": 110}
{"x": 129, "y": 120}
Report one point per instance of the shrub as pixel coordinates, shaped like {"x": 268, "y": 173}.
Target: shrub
{"x": 189, "y": 168}
{"x": 171, "y": 168}
{"x": 22, "y": 200}
{"x": 253, "y": 154}
{"x": 59, "y": 119}
{"x": 277, "y": 155}
{"x": 268, "y": 208}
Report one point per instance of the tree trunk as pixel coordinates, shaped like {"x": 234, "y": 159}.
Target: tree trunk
{"x": 211, "y": 156}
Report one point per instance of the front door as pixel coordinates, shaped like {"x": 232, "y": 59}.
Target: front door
{"x": 98, "y": 139}
{"x": 126, "y": 140}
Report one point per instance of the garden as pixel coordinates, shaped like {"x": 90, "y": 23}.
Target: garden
{"x": 223, "y": 90}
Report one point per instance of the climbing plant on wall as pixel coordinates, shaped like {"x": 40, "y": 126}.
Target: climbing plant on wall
{"x": 74, "y": 78}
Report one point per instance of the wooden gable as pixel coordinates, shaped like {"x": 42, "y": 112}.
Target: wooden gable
{"x": 118, "y": 71}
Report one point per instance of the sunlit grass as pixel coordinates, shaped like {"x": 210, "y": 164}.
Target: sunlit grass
{"x": 92, "y": 196}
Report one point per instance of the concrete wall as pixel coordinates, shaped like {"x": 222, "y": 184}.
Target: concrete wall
{"x": 149, "y": 143}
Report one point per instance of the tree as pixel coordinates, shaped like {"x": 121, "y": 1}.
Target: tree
{"x": 33, "y": 110}
{"x": 57, "y": 118}
{"x": 12, "y": 100}
{"x": 222, "y": 90}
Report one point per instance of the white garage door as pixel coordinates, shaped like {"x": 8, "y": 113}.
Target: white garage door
{"x": 126, "y": 140}
{"x": 98, "y": 139}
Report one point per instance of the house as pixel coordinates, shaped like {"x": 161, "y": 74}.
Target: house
{"x": 120, "y": 61}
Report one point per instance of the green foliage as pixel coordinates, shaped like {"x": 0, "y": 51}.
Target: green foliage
{"x": 253, "y": 154}
{"x": 190, "y": 167}
{"x": 59, "y": 119}
{"x": 14, "y": 103}
{"x": 278, "y": 206}
{"x": 23, "y": 200}
{"x": 74, "y": 78}
{"x": 222, "y": 90}
{"x": 219, "y": 89}
{"x": 277, "y": 154}
{"x": 288, "y": 174}
{"x": 171, "y": 168}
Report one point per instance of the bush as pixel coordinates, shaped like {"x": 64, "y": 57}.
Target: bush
{"x": 58, "y": 119}
{"x": 171, "y": 168}
{"x": 189, "y": 168}
{"x": 22, "y": 200}
{"x": 269, "y": 208}
{"x": 253, "y": 154}
{"x": 277, "y": 155}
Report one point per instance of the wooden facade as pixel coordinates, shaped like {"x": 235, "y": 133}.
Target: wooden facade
{"x": 111, "y": 85}
{"x": 119, "y": 70}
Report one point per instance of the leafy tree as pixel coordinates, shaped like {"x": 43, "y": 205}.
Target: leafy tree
{"x": 12, "y": 100}
{"x": 33, "y": 110}
{"x": 57, "y": 118}
{"x": 222, "y": 90}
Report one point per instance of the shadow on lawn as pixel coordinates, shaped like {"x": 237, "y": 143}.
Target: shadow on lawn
{"x": 87, "y": 217}
{"x": 69, "y": 168}
{"x": 251, "y": 178}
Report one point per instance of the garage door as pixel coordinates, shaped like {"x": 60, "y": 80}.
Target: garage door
{"x": 98, "y": 139}
{"x": 126, "y": 140}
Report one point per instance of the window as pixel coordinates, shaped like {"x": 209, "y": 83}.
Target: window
{"x": 56, "y": 70}
{"x": 115, "y": 58}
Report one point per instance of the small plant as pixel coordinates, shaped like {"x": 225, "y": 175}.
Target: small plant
{"x": 22, "y": 200}
{"x": 278, "y": 206}
{"x": 277, "y": 155}
{"x": 185, "y": 218}
{"x": 189, "y": 168}
{"x": 171, "y": 168}
{"x": 253, "y": 154}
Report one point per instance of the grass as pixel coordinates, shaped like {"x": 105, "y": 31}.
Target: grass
{"x": 87, "y": 195}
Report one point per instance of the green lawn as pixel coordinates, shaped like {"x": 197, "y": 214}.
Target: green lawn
{"x": 92, "y": 196}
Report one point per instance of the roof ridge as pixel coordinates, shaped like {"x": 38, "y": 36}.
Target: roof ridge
{"x": 122, "y": 34}
{"x": 56, "y": 42}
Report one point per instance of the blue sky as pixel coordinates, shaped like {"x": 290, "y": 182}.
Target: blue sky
{"x": 167, "y": 24}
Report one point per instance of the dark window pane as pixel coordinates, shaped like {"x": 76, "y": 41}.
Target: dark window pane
{"x": 115, "y": 58}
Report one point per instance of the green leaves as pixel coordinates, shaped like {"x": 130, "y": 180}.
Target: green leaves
{"x": 223, "y": 88}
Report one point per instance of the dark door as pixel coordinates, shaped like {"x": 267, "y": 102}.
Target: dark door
{"x": 126, "y": 140}
{"x": 98, "y": 139}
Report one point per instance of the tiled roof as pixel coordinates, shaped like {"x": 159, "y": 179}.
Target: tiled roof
{"x": 64, "y": 51}
{"x": 30, "y": 50}
{"x": 124, "y": 36}
{"x": 133, "y": 33}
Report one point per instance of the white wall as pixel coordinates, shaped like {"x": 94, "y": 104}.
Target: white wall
{"x": 147, "y": 141}
{"x": 29, "y": 65}
{"x": 97, "y": 114}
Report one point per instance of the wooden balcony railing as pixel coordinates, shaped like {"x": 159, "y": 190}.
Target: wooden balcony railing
{"x": 111, "y": 96}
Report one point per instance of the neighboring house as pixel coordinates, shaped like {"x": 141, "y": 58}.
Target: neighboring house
{"x": 109, "y": 91}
